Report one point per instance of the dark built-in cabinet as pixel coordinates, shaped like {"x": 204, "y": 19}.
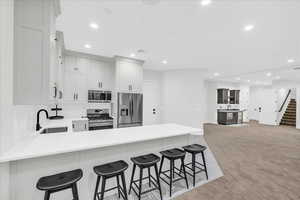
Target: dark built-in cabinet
{"x": 226, "y": 96}
{"x": 222, "y": 96}
{"x": 228, "y": 117}
{"x": 234, "y": 97}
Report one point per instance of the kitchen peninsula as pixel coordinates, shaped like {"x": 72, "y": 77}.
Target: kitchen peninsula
{"x": 41, "y": 155}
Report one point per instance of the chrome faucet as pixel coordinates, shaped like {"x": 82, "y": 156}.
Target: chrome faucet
{"x": 38, "y": 126}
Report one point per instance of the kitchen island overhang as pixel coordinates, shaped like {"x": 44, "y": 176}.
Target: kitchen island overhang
{"x": 50, "y": 154}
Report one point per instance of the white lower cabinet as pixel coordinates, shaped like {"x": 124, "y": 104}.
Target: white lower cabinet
{"x": 80, "y": 125}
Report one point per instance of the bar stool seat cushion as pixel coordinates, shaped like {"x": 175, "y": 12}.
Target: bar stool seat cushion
{"x": 59, "y": 181}
{"x": 194, "y": 148}
{"x": 145, "y": 160}
{"x": 111, "y": 169}
{"x": 173, "y": 153}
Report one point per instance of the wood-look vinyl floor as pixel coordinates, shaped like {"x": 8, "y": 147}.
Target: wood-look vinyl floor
{"x": 259, "y": 163}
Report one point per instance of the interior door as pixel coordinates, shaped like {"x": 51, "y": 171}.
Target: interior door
{"x": 268, "y": 113}
{"x": 137, "y": 108}
{"x": 124, "y": 109}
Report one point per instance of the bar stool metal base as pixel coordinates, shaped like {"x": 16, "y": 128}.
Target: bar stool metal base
{"x": 107, "y": 171}
{"x": 194, "y": 166}
{"x": 173, "y": 170}
{"x": 145, "y": 162}
{"x": 121, "y": 190}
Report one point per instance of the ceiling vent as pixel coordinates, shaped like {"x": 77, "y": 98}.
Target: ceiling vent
{"x": 150, "y": 2}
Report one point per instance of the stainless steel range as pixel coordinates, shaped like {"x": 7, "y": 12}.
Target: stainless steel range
{"x": 99, "y": 119}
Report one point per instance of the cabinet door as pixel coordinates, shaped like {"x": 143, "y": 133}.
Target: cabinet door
{"x": 31, "y": 52}
{"x": 100, "y": 75}
{"x": 75, "y": 88}
{"x": 69, "y": 87}
{"x": 81, "y": 88}
{"x": 222, "y": 96}
{"x": 93, "y": 76}
{"x": 130, "y": 77}
{"x": 106, "y": 75}
{"x": 28, "y": 66}
{"x": 80, "y": 125}
{"x": 126, "y": 71}
{"x": 137, "y": 85}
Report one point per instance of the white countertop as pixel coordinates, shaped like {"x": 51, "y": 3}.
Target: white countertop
{"x": 57, "y": 143}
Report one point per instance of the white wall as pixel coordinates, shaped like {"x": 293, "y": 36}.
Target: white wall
{"x": 183, "y": 97}
{"x": 211, "y": 99}
{"x": 280, "y": 87}
{"x": 152, "y": 93}
{"x": 6, "y": 79}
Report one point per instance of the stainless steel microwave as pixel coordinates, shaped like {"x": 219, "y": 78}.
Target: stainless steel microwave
{"x": 99, "y": 96}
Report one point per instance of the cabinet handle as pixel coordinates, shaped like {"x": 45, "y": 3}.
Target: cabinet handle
{"x": 73, "y": 126}
{"x": 55, "y": 91}
{"x": 85, "y": 126}
{"x": 77, "y": 96}
{"x": 99, "y": 85}
{"x": 74, "y": 96}
{"x": 60, "y": 94}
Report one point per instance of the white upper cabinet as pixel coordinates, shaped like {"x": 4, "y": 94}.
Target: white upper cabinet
{"x": 129, "y": 75}
{"x": 101, "y": 75}
{"x": 34, "y": 23}
{"x": 74, "y": 80}
{"x": 83, "y": 73}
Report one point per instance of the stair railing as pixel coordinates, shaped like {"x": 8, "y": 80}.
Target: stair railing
{"x": 283, "y": 107}
{"x": 286, "y": 98}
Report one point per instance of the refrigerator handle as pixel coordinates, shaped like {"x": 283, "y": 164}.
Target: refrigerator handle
{"x": 131, "y": 108}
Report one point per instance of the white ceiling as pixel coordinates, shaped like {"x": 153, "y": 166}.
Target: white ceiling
{"x": 187, "y": 34}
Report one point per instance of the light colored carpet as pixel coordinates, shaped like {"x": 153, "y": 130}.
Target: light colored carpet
{"x": 259, "y": 163}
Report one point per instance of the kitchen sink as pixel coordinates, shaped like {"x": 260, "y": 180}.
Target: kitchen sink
{"x": 54, "y": 130}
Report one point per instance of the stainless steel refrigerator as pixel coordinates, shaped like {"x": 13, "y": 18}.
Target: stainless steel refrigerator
{"x": 130, "y": 110}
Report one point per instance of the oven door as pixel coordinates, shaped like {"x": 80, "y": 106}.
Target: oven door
{"x": 100, "y": 125}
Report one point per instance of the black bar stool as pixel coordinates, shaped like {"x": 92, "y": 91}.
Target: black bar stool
{"x": 172, "y": 155}
{"x": 107, "y": 171}
{"x": 59, "y": 182}
{"x": 195, "y": 149}
{"x": 145, "y": 162}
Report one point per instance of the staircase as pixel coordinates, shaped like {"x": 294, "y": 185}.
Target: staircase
{"x": 289, "y": 117}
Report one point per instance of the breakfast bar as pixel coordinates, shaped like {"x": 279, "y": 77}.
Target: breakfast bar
{"x": 43, "y": 155}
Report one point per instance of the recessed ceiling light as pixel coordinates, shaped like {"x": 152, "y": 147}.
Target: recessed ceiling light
{"x": 132, "y": 55}
{"x": 291, "y": 60}
{"x": 216, "y": 74}
{"x": 248, "y": 81}
{"x": 249, "y": 27}
{"x": 94, "y": 25}
{"x": 205, "y": 2}
{"x": 165, "y": 62}
{"x": 88, "y": 46}
{"x": 269, "y": 74}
